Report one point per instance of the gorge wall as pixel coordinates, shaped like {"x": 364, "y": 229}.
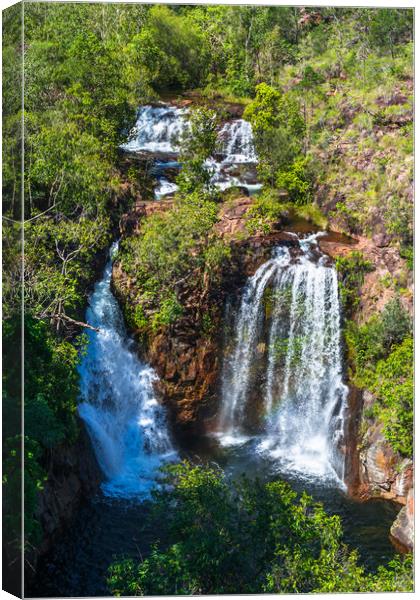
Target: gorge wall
{"x": 188, "y": 360}
{"x": 375, "y": 469}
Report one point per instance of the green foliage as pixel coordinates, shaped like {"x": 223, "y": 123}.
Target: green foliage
{"x": 279, "y": 129}
{"x": 245, "y": 537}
{"x": 51, "y": 386}
{"x": 313, "y": 214}
{"x": 374, "y": 340}
{"x": 169, "y": 311}
{"x": 296, "y": 182}
{"x": 60, "y": 262}
{"x": 170, "y": 51}
{"x": 351, "y": 269}
{"x": 393, "y": 384}
{"x": 198, "y": 144}
{"x": 266, "y": 210}
{"x": 407, "y": 252}
{"x": 173, "y": 247}
{"x": 34, "y": 476}
{"x": 381, "y": 352}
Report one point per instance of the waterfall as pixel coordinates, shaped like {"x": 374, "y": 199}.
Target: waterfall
{"x": 125, "y": 422}
{"x": 287, "y": 347}
{"x": 237, "y": 143}
{"x": 157, "y": 130}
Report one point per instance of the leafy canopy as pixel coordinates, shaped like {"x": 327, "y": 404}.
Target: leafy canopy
{"x": 245, "y": 537}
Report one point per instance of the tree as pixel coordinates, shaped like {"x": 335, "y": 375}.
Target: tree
{"x": 197, "y": 145}
{"x": 225, "y": 537}
{"x": 279, "y": 130}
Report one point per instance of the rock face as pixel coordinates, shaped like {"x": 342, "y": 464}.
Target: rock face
{"x": 402, "y": 530}
{"x": 382, "y": 473}
{"x": 373, "y": 468}
{"x": 377, "y": 289}
{"x": 187, "y": 354}
{"x": 74, "y": 476}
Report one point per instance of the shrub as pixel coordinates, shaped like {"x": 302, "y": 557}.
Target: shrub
{"x": 381, "y": 352}
{"x": 296, "y": 182}
{"x": 352, "y": 269}
{"x": 392, "y": 383}
{"x": 172, "y": 249}
{"x": 245, "y": 537}
{"x": 266, "y": 211}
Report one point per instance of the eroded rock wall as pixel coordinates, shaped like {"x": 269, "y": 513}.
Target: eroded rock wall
{"x": 374, "y": 468}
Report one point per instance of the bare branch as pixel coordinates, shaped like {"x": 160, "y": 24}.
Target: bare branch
{"x": 74, "y": 322}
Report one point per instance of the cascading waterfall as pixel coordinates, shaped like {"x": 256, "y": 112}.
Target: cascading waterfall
{"x": 157, "y": 130}
{"x": 289, "y": 314}
{"x": 126, "y": 423}
{"x": 237, "y": 143}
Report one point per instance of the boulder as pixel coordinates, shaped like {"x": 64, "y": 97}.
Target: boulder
{"x": 402, "y": 530}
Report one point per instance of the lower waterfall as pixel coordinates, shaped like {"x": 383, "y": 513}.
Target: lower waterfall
{"x": 284, "y": 369}
{"x": 125, "y": 422}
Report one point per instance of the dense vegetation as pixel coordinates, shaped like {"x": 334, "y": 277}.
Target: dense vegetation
{"x": 328, "y": 92}
{"x": 246, "y": 537}
{"x": 51, "y": 390}
{"x": 381, "y": 352}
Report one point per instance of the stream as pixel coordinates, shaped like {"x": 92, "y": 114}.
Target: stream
{"x": 282, "y": 407}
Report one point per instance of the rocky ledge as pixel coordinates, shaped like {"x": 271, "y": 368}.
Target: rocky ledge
{"x": 374, "y": 469}
{"x": 188, "y": 360}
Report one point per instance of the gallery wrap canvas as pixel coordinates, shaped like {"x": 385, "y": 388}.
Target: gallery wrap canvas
{"x": 207, "y": 299}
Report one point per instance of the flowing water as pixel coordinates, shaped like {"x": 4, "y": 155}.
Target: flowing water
{"x": 283, "y": 399}
{"x": 293, "y": 296}
{"x": 125, "y": 421}
{"x": 157, "y": 132}
{"x": 287, "y": 343}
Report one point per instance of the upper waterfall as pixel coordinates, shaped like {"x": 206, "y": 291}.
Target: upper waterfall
{"x": 157, "y": 132}
{"x": 287, "y": 350}
{"x": 126, "y": 423}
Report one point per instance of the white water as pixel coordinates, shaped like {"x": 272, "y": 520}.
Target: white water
{"x": 237, "y": 143}
{"x": 126, "y": 423}
{"x": 304, "y": 397}
{"x": 157, "y": 132}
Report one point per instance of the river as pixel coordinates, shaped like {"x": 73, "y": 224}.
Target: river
{"x": 283, "y": 401}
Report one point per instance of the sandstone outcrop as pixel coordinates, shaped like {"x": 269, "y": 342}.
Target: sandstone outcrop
{"x": 188, "y": 360}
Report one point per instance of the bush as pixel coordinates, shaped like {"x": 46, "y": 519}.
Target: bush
{"x": 245, "y": 537}
{"x": 279, "y": 130}
{"x": 352, "y": 269}
{"x": 381, "y": 352}
{"x": 373, "y": 341}
{"x": 172, "y": 249}
{"x": 392, "y": 383}
{"x": 296, "y": 182}
{"x": 197, "y": 144}
{"x": 266, "y": 210}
